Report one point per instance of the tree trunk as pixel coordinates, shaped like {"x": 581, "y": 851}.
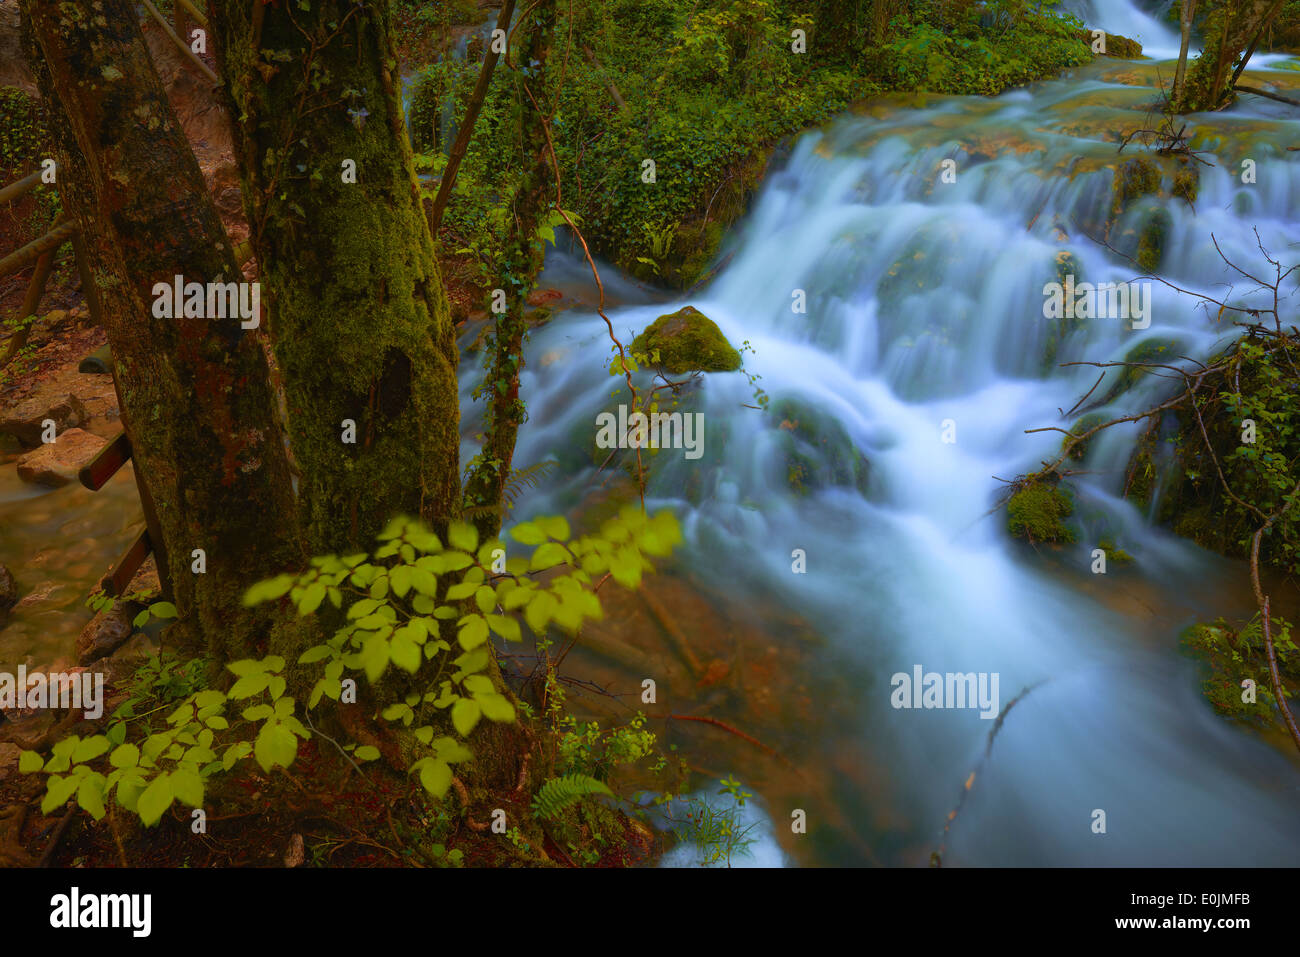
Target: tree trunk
{"x": 1228, "y": 31}
{"x": 521, "y": 261}
{"x": 193, "y": 392}
{"x": 358, "y": 314}
{"x": 1186, "y": 15}
{"x": 466, "y": 130}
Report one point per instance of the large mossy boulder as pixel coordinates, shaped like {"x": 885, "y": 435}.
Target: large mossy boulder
{"x": 687, "y": 341}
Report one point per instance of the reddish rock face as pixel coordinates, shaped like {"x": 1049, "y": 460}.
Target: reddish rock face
{"x": 26, "y": 420}
{"x": 59, "y": 462}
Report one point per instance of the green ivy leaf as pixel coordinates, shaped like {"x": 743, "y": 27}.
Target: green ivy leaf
{"x": 464, "y": 715}
{"x": 29, "y": 762}
{"x": 155, "y": 800}
{"x": 435, "y": 776}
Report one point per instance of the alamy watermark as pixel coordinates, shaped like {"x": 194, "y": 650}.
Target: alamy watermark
{"x": 1103, "y": 300}
{"x": 930, "y": 689}
{"x": 214, "y": 300}
{"x": 57, "y": 689}
{"x": 658, "y": 430}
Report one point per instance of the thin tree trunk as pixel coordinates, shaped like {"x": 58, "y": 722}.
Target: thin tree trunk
{"x": 1187, "y": 15}
{"x": 358, "y": 314}
{"x": 1228, "y": 32}
{"x": 521, "y": 263}
{"x": 466, "y": 130}
{"x": 194, "y": 391}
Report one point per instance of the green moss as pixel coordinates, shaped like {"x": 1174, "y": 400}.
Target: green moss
{"x": 1122, "y": 48}
{"x": 1187, "y": 182}
{"x": 1151, "y": 240}
{"x": 1114, "y": 554}
{"x": 1140, "y": 176}
{"x": 687, "y": 341}
{"x": 1081, "y": 425}
{"x": 1035, "y": 513}
{"x": 1156, "y": 349}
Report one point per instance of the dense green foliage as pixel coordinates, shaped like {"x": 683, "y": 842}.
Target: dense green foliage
{"x": 401, "y": 603}
{"x": 1258, "y": 385}
{"x": 729, "y": 79}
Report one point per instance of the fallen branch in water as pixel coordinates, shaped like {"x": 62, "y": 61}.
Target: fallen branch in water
{"x": 1242, "y": 88}
{"x": 936, "y": 857}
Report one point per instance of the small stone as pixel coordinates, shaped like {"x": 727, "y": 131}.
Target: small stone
{"x": 296, "y": 853}
{"x": 58, "y": 463}
{"x": 26, "y": 421}
{"x": 106, "y": 632}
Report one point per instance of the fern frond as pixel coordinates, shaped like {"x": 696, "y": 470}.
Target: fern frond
{"x": 520, "y": 479}
{"x": 558, "y": 793}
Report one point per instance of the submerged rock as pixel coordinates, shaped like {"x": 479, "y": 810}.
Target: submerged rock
{"x": 688, "y": 341}
{"x": 58, "y": 462}
{"x": 817, "y": 451}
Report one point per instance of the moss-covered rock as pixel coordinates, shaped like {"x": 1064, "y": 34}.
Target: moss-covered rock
{"x": 1140, "y": 176}
{"x": 1156, "y": 349}
{"x": 1064, "y": 266}
{"x": 1151, "y": 239}
{"x": 1114, "y": 554}
{"x": 1036, "y": 512}
{"x": 1122, "y": 48}
{"x": 817, "y": 452}
{"x": 1082, "y": 425}
{"x": 687, "y": 341}
{"x": 1187, "y": 182}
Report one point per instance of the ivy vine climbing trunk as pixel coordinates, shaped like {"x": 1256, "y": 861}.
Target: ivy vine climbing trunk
{"x": 358, "y": 313}
{"x": 521, "y": 261}
{"x": 193, "y": 391}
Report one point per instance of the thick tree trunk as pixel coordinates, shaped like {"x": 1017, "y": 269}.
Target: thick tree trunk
{"x": 1228, "y": 32}
{"x": 194, "y": 391}
{"x": 358, "y": 314}
{"x": 521, "y": 262}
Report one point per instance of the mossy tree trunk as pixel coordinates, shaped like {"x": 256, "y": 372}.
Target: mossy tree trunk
{"x": 521, "y": 261}
{"x": 194, "y": 392}
{"x": 1229, "y": 30}
{"x": 358, "y": 313}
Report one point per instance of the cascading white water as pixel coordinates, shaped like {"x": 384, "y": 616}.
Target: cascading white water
{"x": 925, "y": 310}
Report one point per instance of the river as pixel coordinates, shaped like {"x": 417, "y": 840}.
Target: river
{"x": 925, "y": 321}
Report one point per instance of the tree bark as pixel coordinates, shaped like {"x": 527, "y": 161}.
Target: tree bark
{"x": 193, "y": 392}
{"x": 521, "y": 261}
{"x": 1228, "y": 32}
{"x": 358, "y": 314}
{"x": 1186, "y": 15}
{"x": 466, "y": 130}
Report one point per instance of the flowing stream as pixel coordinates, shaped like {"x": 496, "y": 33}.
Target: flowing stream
{"x": 925, "y": 313}
{"x": 924, "y": 320}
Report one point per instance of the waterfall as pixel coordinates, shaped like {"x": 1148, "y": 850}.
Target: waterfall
{"x": 925, "y": 348}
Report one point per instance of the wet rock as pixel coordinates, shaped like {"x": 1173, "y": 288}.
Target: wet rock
{"x": 8, "y": 592}
{"x": 58, "y": 463}
{"x": 26, "y": 421}
{"x": 37, "y": 595}
{"x": 816, "y": 450}
{"x": 688, "y": 341}
{"x": 106, "y": 632}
